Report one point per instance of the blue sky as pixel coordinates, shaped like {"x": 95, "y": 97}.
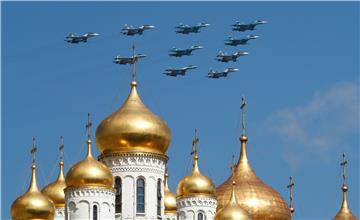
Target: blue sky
{"x": 300, "y": 81}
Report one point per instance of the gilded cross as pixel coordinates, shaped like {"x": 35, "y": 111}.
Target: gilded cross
{"x": 61, "y": 148}
{"x": 243, "y": 104}
{"x": 291, "y": 186}
{"x": 343, "y": 164}
{"x": 195, "y": 143}
{"x": 88, "y": 126}
{"x": 33, "y": 150}
{"x": 133, "y": 62}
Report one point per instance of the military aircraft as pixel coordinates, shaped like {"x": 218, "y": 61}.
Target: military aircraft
{"x": 75, "y": 39}
{"x": 131, "y": 30}
{"x": 217, "y": 74}
{"x": 177, "y": 52}
{"x": 128, "y": 60}
{"x": 239, "y": 26}
{"x": 239, "y": 41}
{"x": 179, "y": 71}
{"x": 186, "y": 29}
{"x": 223, "y": 57}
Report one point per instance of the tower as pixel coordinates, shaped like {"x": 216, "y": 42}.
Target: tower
{"x": 89, "y": 192}
{"x": 196, "y": 193}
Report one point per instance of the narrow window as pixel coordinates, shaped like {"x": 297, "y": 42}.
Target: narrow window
{"x": 200, "y": 216}
{"x": 159, "y": 197}
{"x": 118, "y": 196}
{"x": 95, "y": 212}
{"x": 140, "y": 196}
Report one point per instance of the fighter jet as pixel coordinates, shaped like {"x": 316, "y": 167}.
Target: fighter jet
{"x": 75, "y": 39}
{"x": 128, "y": 60}
{"x": 180, "y": 71}
{"x": 223, "y": 57}
{"x": 186, "y": 29}
{"x": 239, "y": 41}
{"x": 177, "y": 52}
{"x": 239, "y": 26}
{"x": 131, "y": 30}
{"x": 214, "y": 74}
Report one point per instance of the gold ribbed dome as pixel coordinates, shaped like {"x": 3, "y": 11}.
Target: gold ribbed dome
{"x": 169, "y": 199}
{"x": 133, "y": 128}
{"x": 195, "y": 184}
{"x": 232, "y": 210}
{"x": 33, "y": 205}
{"x": 344, "y": 212}
{"x": 89, "y": 173}
{"x": 55, "y": 190}
{"x": 258, "y": 199}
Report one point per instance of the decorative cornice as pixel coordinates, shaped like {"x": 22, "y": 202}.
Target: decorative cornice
{"x": 196, "y": 202}
{"x": 134, "y": 154}
{"x": 89, "y": 192}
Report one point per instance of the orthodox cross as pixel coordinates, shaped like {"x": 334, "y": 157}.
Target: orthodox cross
{"x": 88, "y": 126}
{"x": 61, "y": 148}
{"x": 195, "y": 143}
{"x": 343, "y": 164}
{"x": 243, "y": 104}
{"x": 33, "y": 151}
{"x": 291, "y": 186}
{"x": 133, "y": 62}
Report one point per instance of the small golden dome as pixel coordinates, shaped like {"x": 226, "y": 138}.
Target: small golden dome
{"x": 232, "y": 210}
{"x": 196, "y": 184}
{"x": 344, "y": 212}
{"x": 169, "y": 199}
{"x": 89, "y": 173}
{"x": 33, "y": 205}
{"x": 133, "y": 128}
{"x": 253, "y": 195}
{"x": 55, "y": 190}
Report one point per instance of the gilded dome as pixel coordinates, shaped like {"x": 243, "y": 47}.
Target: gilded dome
{"x": 33, "y": 205}
{"x": 169, "y": 199}
{"x": 89, "y": 173}
{"x": 196, "y": 184}
{"x": 133, "y": 128}
{"x": 344, "y": 212}
{"x": 260, "y": 200}
{"x": 55, "y": 190}
{"x": 232, "y": 210}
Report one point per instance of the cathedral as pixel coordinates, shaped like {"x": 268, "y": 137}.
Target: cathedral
{"x": 129, "y": 179}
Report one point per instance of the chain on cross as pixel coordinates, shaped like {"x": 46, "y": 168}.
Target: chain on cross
{"x": 195, "y": 143}
{"x": 33, "y": 150}
{"x": 291, "y": 187}
{"x": 243, "y": 104}
{"x": 88, "y": 127}
{"x": 343, "y": 165}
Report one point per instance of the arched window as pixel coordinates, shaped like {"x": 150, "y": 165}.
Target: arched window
{"x": 140, "y": 196}
{"x": 95, "y": 212}
{"x": 118, "y": 196}
{"x": 201, "y": 216}
{"x": 159, "y": 197}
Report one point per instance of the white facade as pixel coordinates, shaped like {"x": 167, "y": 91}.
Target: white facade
{"x": 170, "y": 217}
{"x": 59, "y": 213}
{"x": 192, "y": 208}
{"x": 85, "y": 203}
{"x": 130, "y": 167}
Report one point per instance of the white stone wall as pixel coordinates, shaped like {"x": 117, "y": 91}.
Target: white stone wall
{"x": 170, "y": 217}
{"x": 59, "y": 213}
{"x": 79, "y": 203}
{"x": 130, "y": 167}
{"x": 189, "y": 208}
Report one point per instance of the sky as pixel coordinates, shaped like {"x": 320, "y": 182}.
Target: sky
{"x": 300, "y": 81}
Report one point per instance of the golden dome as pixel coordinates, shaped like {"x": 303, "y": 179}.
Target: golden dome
{"x": 55, "y": 190}
{"x": 89, "y": 173}
{"x": 232, "y": 210}
{"x": 33, "y": 204}
{"x": 133, "y": 128}
{"x": 169, "y": 199}
{"x": 195, "y": 184}
{"x": 344, "y": 212}
{"x": 258, "y": 199}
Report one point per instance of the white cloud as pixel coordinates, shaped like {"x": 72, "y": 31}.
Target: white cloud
{"x": 318, "y": 127}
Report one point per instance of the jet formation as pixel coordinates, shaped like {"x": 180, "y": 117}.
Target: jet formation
{"x": 178, "y": 71}
{"x": 75, "y": 39}
{"x": 215, "y": 74}
{"x": 233, "y": 41}
{"x": 240, "y": 26}
{"x": 187, "y": 29}
{"x": 223, "y": 57}
{"x": 178, "y": 52}
{"x": 130, "y": 30}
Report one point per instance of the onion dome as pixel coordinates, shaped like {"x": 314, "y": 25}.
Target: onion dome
{"x": 133, "y": 128}
{"x": 89, "y": 172}
{"x": 169, "y": 199}
{"x": 232, "y": 210}
{"x": 195, "y": 184}
{"x": 33, "y": 204}
{"x": 344, "y": 212}
{"x": 258, "y": 199}
{"x": 55, "y": 190}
